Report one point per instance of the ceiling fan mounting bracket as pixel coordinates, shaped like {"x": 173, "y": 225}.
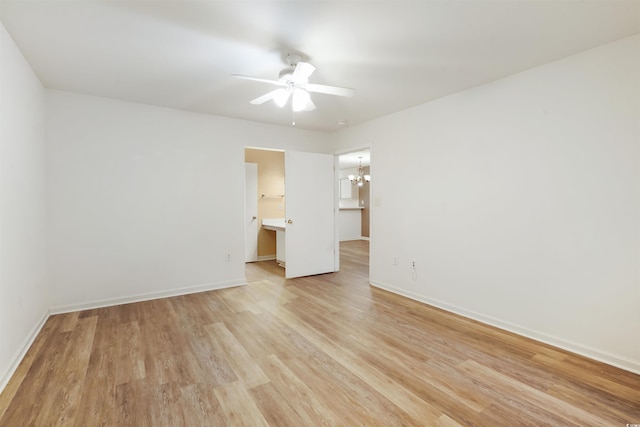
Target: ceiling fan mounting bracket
{"x": 292, "y": 59}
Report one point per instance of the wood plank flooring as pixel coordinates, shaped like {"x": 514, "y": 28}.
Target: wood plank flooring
{"x": 326, "y": 350}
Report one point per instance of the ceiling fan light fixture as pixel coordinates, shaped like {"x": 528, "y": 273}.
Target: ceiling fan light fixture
{"x": 280, "y": 97}
{"x": 300, "y": 99}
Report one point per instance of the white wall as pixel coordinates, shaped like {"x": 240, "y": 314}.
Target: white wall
{"x": 23, "y": 272}
{"x": 520, "y": 202}
{"x": 146, "y": 201}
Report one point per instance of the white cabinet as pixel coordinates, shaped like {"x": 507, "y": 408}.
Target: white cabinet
{"x": 279, "y": 226}
{"x": 350, "y": 223}
{"x": 345, "y": 188}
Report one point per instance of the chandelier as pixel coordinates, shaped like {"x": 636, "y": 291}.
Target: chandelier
{"x": 361, "y": 178}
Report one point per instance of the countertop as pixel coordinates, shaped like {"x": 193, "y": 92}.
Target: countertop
{"x": 275, "y": 224}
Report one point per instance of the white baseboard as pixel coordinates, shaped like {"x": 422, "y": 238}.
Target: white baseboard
{"x": 4, "y": 380}
{"x": 266, "y": 258}
{"x": 148, "y": 296}
{"x": 591, "y": 353}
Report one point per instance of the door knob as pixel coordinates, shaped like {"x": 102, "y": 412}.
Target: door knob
{"x": 290, "y": 222}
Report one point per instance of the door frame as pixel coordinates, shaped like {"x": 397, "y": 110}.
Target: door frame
{"x": 336, "y": 195}
{"x": 251, "y": 171}
{"x": 337, "y": 155}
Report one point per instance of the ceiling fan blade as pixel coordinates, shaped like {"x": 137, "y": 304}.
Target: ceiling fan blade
{"x": 330, "y": 90}
{"x": 300, "y": 100}
{"x": 257, "y": 79}
{"x": 302, "y": 72}
{"x": 264, "y": 98}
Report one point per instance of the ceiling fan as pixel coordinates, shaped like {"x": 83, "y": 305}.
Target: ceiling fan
{"x": 294, "y": 82}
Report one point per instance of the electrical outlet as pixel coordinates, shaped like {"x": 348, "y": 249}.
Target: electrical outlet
{"x": 395, "y": 260}
{"x": 228, "y": 257}
{"x": 413, "y": 264}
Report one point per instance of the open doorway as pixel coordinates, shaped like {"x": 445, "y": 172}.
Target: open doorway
{"x": 354, "y": 176}
{"x": 264, "y": 200}
{"x": 293, "y": 213}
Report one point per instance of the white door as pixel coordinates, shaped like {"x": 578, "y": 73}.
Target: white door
{"x": 251, "y": 212}
{"x": 310, "y": 228}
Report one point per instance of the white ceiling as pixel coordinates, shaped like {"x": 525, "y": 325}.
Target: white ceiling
{"x": 395, "y": 53}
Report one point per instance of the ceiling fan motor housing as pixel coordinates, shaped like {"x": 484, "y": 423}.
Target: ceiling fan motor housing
{"x": 286, "y": 73}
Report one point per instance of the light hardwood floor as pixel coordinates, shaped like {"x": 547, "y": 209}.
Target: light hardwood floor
{"x": 321, "y": 350}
